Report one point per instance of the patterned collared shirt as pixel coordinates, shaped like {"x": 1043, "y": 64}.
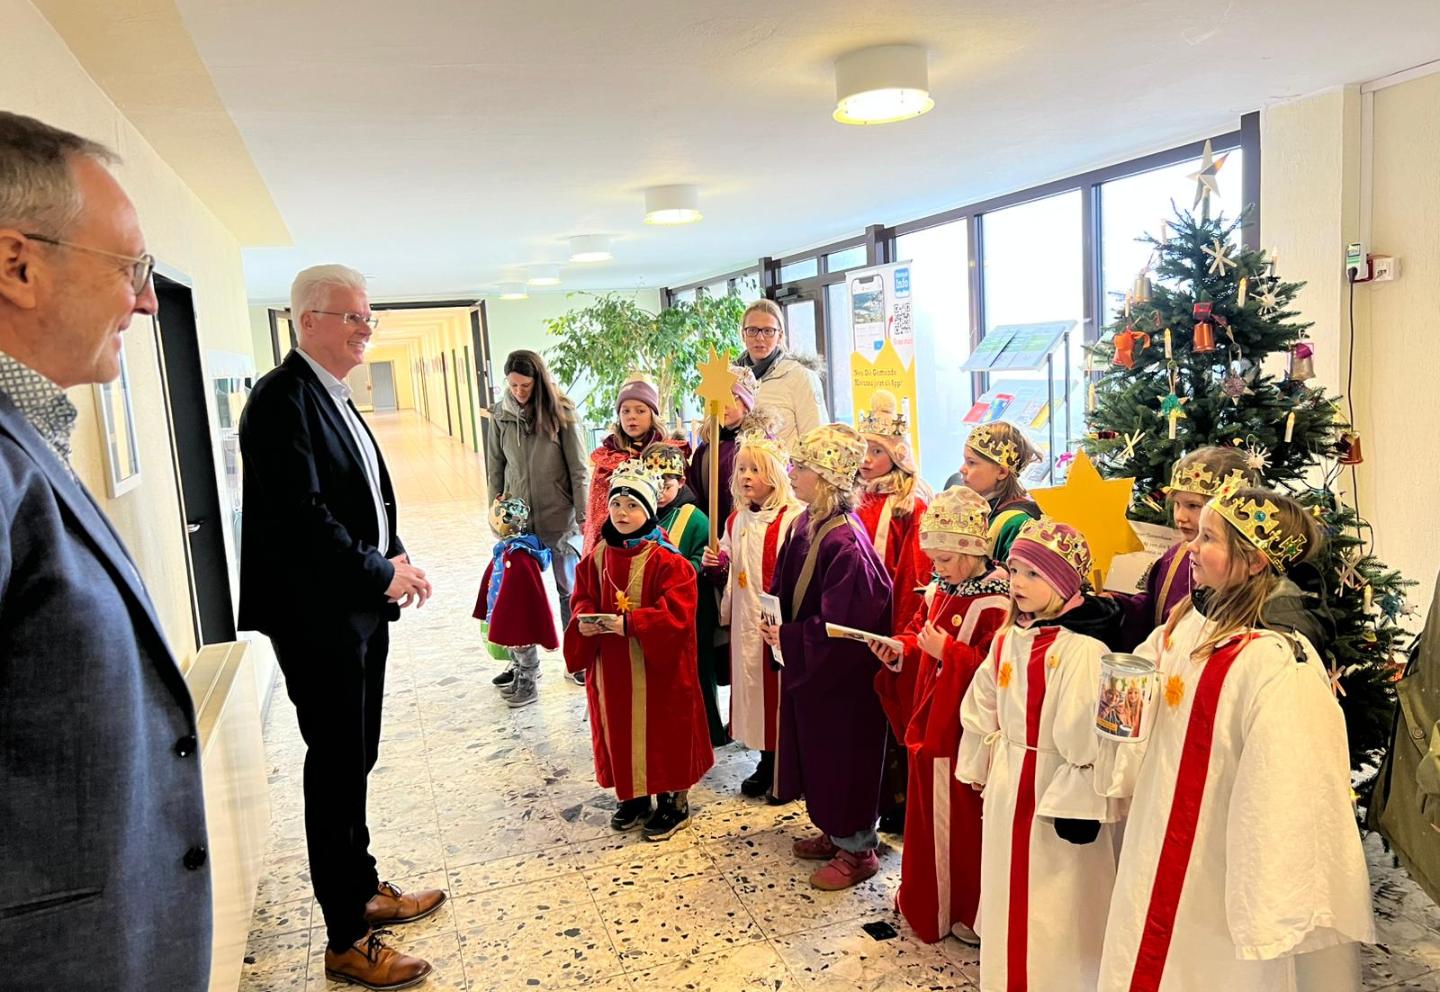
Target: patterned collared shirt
{"x": 41, "y": 402}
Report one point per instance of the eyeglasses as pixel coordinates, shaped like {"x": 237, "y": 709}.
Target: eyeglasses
{"x": 768, "y": 333}
{"x": 141, "y": 268}
{"x": 355, "y": 320}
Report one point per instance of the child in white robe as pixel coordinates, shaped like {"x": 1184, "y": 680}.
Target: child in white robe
{"x": 1241, "y": 867}
{"x": 1028, "y": 719}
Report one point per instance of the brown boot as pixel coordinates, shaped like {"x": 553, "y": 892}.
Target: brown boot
{"x": 390, "y": 907}
{"x": 369, "y": 962}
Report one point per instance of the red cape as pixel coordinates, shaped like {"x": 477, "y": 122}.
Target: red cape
{"x": 522, "y": 613}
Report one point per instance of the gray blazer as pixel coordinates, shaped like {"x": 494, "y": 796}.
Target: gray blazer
{"x": 104, "y": 873}
{"x": 548, "y": 475}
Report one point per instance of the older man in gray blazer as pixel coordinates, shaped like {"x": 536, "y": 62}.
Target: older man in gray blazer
{"x": 104, "y": 874}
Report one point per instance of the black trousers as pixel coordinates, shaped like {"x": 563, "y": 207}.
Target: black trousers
{"x": 336, "y": 679}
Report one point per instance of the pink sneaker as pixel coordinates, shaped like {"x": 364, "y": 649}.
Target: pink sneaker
{"x": 817, "y": 848}
{"x": 845, "y": 870}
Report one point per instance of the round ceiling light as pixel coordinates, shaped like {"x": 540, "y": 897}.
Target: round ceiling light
{"x": 590, "y": 248}
{"x": 882, "y": 85}
{"x": 513, "y": 291}
{"x": 544, "y": 275}
{"x": 672, "y": 205}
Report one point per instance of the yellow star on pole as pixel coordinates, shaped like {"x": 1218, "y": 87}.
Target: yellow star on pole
{"x": 1096, "y": 508}
{"x": 716, "y": 381}
{"x": 1206, "y": 181}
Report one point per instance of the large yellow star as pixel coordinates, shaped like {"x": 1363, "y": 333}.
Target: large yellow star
{"x": 1096, "y": 508}
{"x": 716, "y": 380}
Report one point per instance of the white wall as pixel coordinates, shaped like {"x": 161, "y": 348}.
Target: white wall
{"x": 1312, "y": 151}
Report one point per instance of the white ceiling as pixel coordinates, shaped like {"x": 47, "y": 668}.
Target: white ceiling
{"x": 433, "y": 143}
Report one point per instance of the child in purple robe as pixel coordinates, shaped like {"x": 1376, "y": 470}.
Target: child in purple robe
{"x": 832, "y": 729}
{"x": 1194, "y": 479}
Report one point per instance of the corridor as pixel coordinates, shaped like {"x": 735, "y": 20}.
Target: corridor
{"x": 500, "y": 807}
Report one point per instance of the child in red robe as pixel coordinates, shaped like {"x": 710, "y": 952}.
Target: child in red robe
{"x": 945, "y": 641}
{"x": 893, "y": 498}
{"x": 632, "y": 631}
{"x": 513, "y": 600}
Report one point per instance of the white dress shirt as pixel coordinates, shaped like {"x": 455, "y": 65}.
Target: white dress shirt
{"x": 340, "y": 393}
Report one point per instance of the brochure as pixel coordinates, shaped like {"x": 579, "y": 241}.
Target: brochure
{"x": 770, "y": 611}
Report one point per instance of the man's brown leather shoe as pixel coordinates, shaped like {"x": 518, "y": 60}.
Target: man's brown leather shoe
{"x": 389, "y": 906}
{"x": 371, "y": 963}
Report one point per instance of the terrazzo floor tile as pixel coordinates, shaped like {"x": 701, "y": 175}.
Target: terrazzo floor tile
{"x": 560, "y": 948}
{"x": 751, "y": 968}
{"x": 660, "y": 922}
{"x": 782, "y": 901}
{"x": 276, "y": 963}
{"x": 282, "y": 919}
{"x": 844, "y": 956}
{"x": 534, "y": 901}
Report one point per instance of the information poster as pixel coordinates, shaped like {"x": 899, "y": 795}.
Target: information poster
{"x": 881, "y": 321}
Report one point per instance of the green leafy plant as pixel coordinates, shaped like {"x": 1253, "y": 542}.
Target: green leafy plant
{"x": 612, "y": 336}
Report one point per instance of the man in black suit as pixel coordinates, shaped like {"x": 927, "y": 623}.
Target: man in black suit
{"x": 323, "y": 573}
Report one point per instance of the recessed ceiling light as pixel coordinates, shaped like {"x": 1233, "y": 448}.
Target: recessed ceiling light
{"x": 882, "y": 85}
{"x": 672, "y": 205}
{"x": 590, "y": 248}
{"x": 544, "y": 275}
{"x": 513, "y": 291}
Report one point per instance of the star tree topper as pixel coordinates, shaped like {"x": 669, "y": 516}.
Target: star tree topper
{"x": 1096, "y": 508}
{"x": 1206, "y": 182}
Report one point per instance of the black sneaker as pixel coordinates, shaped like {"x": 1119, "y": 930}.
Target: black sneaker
{"x": 577, "y": 677}
{"x": 631, "y": 814}
{"x": 761, "y": 778}
{"x": 505, "y": 677}
{"x": 672, "y": 814}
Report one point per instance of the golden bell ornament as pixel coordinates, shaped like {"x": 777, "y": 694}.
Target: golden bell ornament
{"x": 1143, "y": 287}
{"x": 1204, "y": 337}
{"x": 1302, "y": 361}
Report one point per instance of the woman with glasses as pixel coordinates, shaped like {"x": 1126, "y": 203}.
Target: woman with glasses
{"x": 789, "y": 384}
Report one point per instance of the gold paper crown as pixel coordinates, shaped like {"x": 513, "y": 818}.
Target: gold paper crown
{"x": 957, "y": 519}
{"x": 664, "y": 459}
{"x": 1064, "y": 540}
{"x": 1259, "y": 523}
{"x": 1198, "y": 479}
{"x": 633, "y": 474}
{"x": 883, "y": 418}
{"x": 988, "y": 440}
{"x": 759, "y": 439}
{"x": 835, "y": 451}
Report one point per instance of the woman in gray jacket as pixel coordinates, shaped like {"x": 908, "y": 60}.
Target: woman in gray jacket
{"x": 533, "y": 450}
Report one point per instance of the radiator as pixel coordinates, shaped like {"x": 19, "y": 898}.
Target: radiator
{"x": 237, "y": 805}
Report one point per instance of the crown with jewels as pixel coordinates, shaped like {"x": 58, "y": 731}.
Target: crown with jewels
{"x": 509, "y": 515}
{"x": 989, "y": 440}
{"x": 765, "y": 442}
{"x": 635, "y": 476}
{"x": 1064, "y": 540}
{"x": 1259, "y": 523}
{"x": 883, "y": 419}
{"x": 1198, "y": 479}
{"x": 664, "y": 459}
{"x": 956, "y": 520}
{"x": 835, "y": 451}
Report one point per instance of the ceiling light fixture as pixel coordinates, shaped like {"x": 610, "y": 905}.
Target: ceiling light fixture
{"x": 513, "y": 291}
{"x": 590, "y": 248}
{"x": 544, "y": 275}
{"x": 672, "y": 205}
{"x": 882, "y": 85}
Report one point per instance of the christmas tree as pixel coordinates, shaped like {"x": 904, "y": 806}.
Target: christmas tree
{"x": 1184, "y": 367}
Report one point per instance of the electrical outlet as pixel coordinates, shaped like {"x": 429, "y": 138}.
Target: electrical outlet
{"x": 1384, "y": 268}
{"x": 1357, "y": 263}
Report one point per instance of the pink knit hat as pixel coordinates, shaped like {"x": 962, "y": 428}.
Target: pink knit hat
{"x": 1057, "y": 551}
{"x": 745, "y": 386}
{"x": 638, "y": 387}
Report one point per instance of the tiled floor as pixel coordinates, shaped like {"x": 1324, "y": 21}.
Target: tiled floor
{"x": 501, "y": 809}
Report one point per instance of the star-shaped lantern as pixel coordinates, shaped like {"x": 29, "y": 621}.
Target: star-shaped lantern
{"x": 1096, "y": 508}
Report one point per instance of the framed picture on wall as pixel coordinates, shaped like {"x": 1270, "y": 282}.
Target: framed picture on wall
{"x": 118, "y": 444}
